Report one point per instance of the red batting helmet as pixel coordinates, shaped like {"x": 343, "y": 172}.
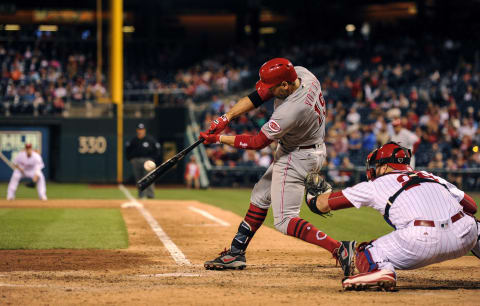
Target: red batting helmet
{"x": 392, "y": 154}
{"x": 274, "y": 72}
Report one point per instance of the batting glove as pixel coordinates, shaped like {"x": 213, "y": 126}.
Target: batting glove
{"x": 218, "y": 125}
{"x": 209, "y": 138}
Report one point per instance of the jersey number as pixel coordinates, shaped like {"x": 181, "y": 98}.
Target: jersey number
{"x": 404, "y": 178}
{"x": 321, "y": 114}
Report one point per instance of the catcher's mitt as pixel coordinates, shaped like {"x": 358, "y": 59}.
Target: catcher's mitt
{"x": 315, "y": 185}
{"x": 30, "y": 183}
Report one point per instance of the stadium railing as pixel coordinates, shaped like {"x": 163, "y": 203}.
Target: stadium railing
{"x": 221, "y": 176}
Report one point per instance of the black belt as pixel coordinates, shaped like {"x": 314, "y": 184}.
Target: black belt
{"x": 307, "y": 147}
{"x": 303, "y": 147}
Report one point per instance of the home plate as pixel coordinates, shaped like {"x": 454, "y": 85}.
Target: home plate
{"x": 178, "y": 274}
{"x": 131, "y": 204}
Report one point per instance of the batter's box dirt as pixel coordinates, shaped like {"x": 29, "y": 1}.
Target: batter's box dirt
{"x": 281, "y": 269}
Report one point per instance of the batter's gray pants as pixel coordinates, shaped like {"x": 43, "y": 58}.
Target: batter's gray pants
{"x": 282, "y": 185}
{"x": 139, "y": 172}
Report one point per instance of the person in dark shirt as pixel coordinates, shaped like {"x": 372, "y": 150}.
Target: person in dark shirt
{"x": 138, "y": 150}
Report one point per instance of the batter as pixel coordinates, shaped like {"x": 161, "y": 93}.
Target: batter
{"x": 298, "y": 123}
{"x": 28, "y": 164}
{"x": 433, "y": 219}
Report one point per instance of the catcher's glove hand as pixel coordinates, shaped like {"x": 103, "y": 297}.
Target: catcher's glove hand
{"x": 315, "y": 185}
{"x": 30, "y": 183}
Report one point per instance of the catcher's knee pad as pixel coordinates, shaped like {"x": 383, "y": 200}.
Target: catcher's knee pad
{"x": 363, "y": 258}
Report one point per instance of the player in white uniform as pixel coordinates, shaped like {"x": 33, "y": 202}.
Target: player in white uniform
{"x": 433, "y": 219}
{"x": 405, "y": 138}
{"x": 28, "y": 164}
{"x": 298, "y": 122}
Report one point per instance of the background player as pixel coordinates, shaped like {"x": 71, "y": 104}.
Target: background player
{"x": 298, "y": 122}
{"x": 28, "y": 164}
{"x": 431, "y": 217}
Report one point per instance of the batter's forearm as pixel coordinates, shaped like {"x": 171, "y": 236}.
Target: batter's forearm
{"x": 228, "y": 140}
{"x": 243, "y": 105}
{"x": 248, "y": 142}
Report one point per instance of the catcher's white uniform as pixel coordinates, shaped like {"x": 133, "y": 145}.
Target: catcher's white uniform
{"x": 31, "y": 165}
{"x": 448, "y": 234}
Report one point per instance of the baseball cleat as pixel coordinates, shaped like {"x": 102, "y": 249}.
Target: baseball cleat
{"x": 227, "y": 260}
{"x": 345, "y": 255}
{"x": 382, "y": 279}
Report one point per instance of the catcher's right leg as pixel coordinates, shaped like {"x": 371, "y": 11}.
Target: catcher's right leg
{"x": 371, "y": 275}
{"x": 383, "y": 279}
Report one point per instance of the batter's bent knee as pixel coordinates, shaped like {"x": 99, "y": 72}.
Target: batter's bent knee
{"x": 261, "y": 205}
{"x": 281, "y": 224}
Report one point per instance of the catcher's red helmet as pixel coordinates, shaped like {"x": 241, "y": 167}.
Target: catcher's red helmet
{"x": 274, "y": 72}
{"x": 392, "y": 154}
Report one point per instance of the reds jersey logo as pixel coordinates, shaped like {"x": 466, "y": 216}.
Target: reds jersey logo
{"x": 274, "y": 126}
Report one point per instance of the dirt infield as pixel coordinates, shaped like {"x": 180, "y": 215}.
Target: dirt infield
{"x": 281, "y": 269}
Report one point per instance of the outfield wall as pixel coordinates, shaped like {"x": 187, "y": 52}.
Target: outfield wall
{"x": 85, "y": 149}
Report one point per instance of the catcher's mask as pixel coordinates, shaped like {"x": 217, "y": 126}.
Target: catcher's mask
{"x": 392, "y": 154}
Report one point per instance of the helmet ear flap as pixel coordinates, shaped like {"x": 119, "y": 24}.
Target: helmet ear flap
{"x": 370, "y": 165}
{"x": 371, "y": 174}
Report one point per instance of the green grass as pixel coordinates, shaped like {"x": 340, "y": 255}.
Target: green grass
{"x": 363, "y": 224}
{"x": 65, "y": 191}
{"x": 54, "y": 228}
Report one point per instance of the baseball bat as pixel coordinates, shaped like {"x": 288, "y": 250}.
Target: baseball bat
{"x": 148, "y": 179}
{"x": 7, "y": 161}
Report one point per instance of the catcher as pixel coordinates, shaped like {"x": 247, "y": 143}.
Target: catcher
{"x": 433, "y": 220}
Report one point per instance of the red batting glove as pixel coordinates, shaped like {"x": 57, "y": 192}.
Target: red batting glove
{"x": 218, "y": 125}
{"x": 209, "y": 138}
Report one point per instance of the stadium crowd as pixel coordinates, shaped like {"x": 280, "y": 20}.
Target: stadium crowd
{"x": 40, "y": 77}
{"x": 433, "y": 92}
{"x": 432, "y": 85}
{"x": 38, "y": 80}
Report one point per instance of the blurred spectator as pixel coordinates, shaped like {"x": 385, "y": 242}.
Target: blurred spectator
{"x": 192, "y": 173}
{"x": 405, "y": 138}
{"x": 437, "y": 162}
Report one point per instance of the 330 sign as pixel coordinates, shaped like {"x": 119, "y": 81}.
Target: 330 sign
{"x": 92, "y": 145}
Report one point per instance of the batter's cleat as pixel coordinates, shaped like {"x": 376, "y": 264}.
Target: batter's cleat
{"x": 345, "y": 255}
{"x": 381, "y": 279}
{"x": 227, "y": 260}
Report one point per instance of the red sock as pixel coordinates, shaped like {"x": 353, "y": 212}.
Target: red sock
{"x": 255, "y": 217}
{"x": 304, "y": 230}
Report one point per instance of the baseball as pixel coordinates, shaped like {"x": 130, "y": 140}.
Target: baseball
{"x": 149, "y": 165}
